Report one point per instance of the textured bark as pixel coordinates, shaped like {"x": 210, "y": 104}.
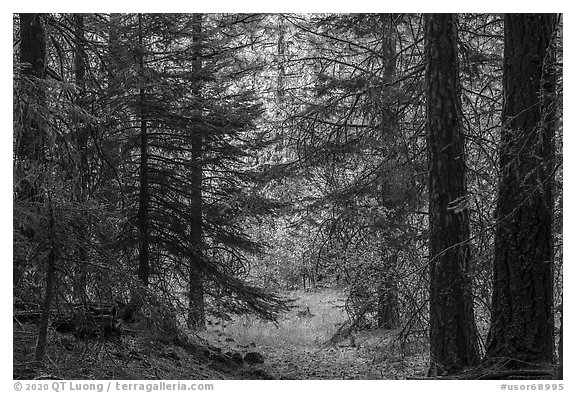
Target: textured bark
{"x": 560, "y": 350}
{"x": 196, "y": 309}
{"x": 30, "y": 141}
{"x": 453, "y": 336}
{"x": 144, "y": 193}
{"x": 33, "y": 45}
{"x": 29, "y": 148}
{"x": 522, "y": 322}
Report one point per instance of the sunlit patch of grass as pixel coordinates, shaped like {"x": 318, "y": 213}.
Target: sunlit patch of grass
{"x": 297, "y": 328}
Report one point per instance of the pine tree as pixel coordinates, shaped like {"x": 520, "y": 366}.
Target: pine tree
{"x": 183, "y": 96}
{"x": 30, "y": 135}
{"x": 522, "y": 323}
{"x": 196, "y": 307}
{"x": 453, "y": 336}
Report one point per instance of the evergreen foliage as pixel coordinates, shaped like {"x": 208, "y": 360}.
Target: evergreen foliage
{"x": 190, "y": 167}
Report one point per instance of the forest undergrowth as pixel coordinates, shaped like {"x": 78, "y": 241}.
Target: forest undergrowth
{"x": 297, "y": 346}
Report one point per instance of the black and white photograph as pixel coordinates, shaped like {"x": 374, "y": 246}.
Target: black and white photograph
{"x": 201, "y": 197}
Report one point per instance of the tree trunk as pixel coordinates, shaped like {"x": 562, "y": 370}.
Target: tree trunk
{"x": 33, "y": 58}
{"x": 196, "y": 309}
{"x": 48, "y": 293}
{"x": 144, "y": 194}
{"x": 560, "y": 349}
{"x": 30, "y": 141}
{"x": 522, "y": 321}
{"x": 388, "y": 309}
{"x": 281, "y": 59}
{"x": 453, "y": 336}
{"x": 82, "y": 101}
{"x": 30, "y": 148}
{"x": 112, "y": 151}
{"x": 33, "y": 45}
{"x": 81, "y": 139}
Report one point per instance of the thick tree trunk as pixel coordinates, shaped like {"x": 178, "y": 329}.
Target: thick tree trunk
{"x": 33, "y": 45}
{"x": 560, "y": 349}
{"x": 453, "y": 336}
{"x": 144, "y": 194}
{"x": 196, "y": 309}
{"x": 522, "y": 322}
{"x": 30, "y": 140}
{"x": 30, "y": 148}
{"x": 33, "y": 59}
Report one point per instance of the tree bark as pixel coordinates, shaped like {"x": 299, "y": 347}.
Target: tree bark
{"x": 82, "y": 101}
{"x": 144, "y": 193}
{"x": 30, "y": 141}
{"x": 30, "y": 148}
{"x": 522, "y": 321}
{"x": 453, "y": 336}
{"x": 388, "y": 309}
{"x": 281, "y": 59}
{"x": 33, "y": 59}
{"x": 33, "y": 45}
{"x": 112, "y": 150}
{"x": 48, "y": 293}
{"x": 560, "y": 348}
{"x": 81, "y": 139}
{"x": 196, "y": 308}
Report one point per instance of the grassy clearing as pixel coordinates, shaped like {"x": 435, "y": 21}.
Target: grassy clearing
{"x": 294, "y": 348}
{"x": 297, "y": 328}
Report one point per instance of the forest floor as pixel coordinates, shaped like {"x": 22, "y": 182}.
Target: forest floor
{"x": 294, "y": 348}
